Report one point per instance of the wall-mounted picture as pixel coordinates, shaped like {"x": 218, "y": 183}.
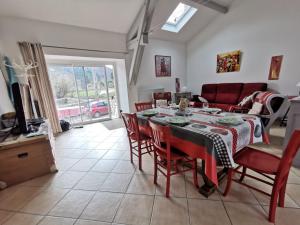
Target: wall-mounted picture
{"x": 275, "y": 67}
{"x": 162, "y": 66}
{"x": 229, "y": 62}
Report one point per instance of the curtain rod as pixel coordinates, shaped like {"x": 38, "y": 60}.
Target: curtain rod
{"x": 83, "y": 49}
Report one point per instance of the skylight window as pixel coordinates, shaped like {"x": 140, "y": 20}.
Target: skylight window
{"x": 179, "y": 17}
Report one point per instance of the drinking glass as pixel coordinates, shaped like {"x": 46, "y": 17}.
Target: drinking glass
{"x": 205, "y": 105}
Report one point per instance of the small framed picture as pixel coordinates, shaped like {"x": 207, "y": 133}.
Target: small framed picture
{"x": 275, "y": 67}
{"x": 162, "y": 66}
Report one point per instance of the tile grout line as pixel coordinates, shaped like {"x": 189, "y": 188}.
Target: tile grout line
{"x": 223, "y": 203}
{"x": 93, "y": 196}
{"x": 125, "y": 191}
{"x": 70, "y": 190}
{"x": 152, "y": 210}
{"x": 259, "y": 203}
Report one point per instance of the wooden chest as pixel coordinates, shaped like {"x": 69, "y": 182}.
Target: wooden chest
{"x": 25, "y": 158}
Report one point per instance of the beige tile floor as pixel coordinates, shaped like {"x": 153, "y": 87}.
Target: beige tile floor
{"x": 97, "y": 185}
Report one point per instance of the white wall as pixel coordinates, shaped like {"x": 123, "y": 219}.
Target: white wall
{"x": 14, "y": 29}
{"x": 260, "y": 29}
{"x": 147, "y": 78}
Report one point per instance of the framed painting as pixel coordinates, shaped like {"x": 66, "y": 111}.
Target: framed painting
{"x": 229, "y": 62}
{"x": 275, "y": 67}
{"x": 162, "y": 66}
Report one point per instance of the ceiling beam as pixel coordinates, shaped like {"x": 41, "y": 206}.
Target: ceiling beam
{"x": 212, "y": 5}
{"x": 137, "y": 37}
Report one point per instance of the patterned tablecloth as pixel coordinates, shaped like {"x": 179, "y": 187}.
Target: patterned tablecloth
{"x": 217, "y": 143}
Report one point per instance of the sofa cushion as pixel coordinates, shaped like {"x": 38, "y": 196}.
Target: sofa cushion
{"x": 228, "y": 93}
{"x": 209, "y": 92}
{"x": 250, "y": 88}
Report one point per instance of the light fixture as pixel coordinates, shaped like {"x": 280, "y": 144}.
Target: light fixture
{"x": 179, "y": 17}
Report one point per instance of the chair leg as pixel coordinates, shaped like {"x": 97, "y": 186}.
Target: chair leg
{"x": 229, "y": 181}
{"x": 273, "y": 204}
{"x": 140, "y": 155}
{"x": 131, "y": 154}
{"x": 155, "y": 167}
{"x": 195, "y": 173}
{"x": 282, "y": 195}
{"x": 243, "y": 174}
{"x": 168, "y": 178}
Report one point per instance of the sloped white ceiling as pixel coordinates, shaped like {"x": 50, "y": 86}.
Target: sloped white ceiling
{"x": 198, "y": 22}
{"x": 108, "y": 15}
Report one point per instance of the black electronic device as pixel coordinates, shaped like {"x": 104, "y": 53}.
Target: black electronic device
{"x": 22, "y": 125}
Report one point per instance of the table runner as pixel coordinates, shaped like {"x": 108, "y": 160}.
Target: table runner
{"x": 220, "y": 141}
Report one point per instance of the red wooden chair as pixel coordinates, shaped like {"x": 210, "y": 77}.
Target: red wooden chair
{"x": 267, "y": 165}
{"x": 141, "y": 106}
{"x": 166, "y": 157}
{"x": 139, "y": 143}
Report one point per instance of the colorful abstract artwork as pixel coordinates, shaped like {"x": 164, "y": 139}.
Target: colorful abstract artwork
{"x": 228, "y": 62}
{"x": 275, "y": 67}
{"x": 162, "y": 66}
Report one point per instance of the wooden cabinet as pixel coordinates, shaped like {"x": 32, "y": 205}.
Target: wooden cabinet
{"x": 179, "y": 95}
{"x": 293, "y": 123}
{"x": 25, "y": 158}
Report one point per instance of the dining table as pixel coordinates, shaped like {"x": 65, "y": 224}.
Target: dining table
{"x": 208, "y": 134}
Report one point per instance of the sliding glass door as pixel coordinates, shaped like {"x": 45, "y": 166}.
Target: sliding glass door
{"x": 84, "y": 93}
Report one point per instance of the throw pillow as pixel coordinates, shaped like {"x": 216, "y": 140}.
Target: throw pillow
{"x": 201, "y": 99}
{"x": 247, "y": 101}
{"x": 256, "y": 108}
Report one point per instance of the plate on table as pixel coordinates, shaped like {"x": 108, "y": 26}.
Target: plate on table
{"x": 230, "y": 120}
{"x": 159, "y": 116}
{"x": 211, "y": 110}
{"x": 149, "y": 113}
{"x": 178, "y": 120}
{"x": 183, "y": 113}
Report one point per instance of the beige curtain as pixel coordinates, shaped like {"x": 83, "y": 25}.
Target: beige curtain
{"x": 40, "y": 83}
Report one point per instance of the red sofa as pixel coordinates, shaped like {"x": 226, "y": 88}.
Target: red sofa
{"x": 227, "y": 96}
